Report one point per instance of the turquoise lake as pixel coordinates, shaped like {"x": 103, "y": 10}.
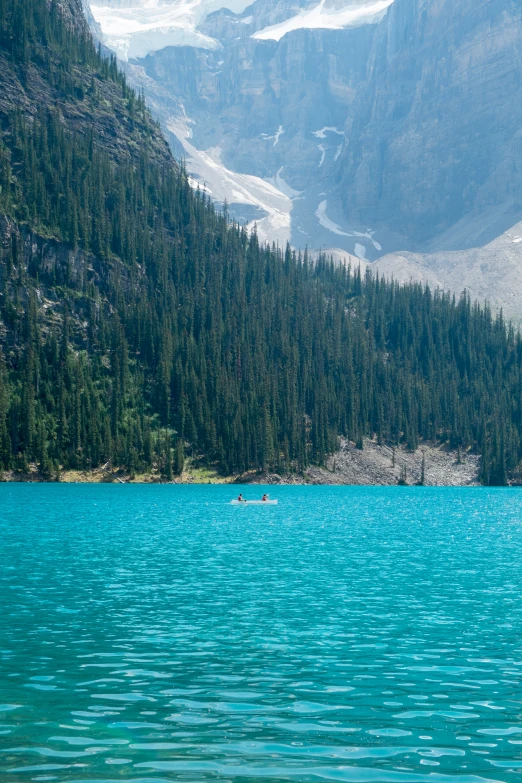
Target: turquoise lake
{"x": 157, "y": 633}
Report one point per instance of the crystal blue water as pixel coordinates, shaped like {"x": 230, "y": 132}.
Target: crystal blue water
{"x": 156, "y": 633}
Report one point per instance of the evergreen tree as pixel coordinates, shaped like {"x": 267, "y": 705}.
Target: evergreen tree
{"x": 170, "y": 325}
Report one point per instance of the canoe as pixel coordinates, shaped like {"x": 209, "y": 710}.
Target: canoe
{"x": 254, "y": 502}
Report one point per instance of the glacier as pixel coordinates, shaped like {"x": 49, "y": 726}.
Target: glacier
{"x": 141, "y": 27}
{"x": 272, "y": 199}
{"x": 135, "y": 28}
{"x": 359, "y": 105}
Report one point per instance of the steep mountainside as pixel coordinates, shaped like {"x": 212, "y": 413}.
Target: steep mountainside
{"x": 137, "y": 323}
{"x": 89, "y": 101}
{"x": 372, "y": 127}
{"x": 434, "y": 137}
{"x": 271, "y": 111}
{"x": 258, "y": 107}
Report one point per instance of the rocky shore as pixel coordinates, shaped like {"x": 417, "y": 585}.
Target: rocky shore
{"x": 376, "y": 464}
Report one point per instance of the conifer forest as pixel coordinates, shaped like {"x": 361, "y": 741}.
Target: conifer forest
{"x": 165, "y": 329}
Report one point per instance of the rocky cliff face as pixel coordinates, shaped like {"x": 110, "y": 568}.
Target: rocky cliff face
{"x": 85, "y": 100}
{"x": 397, "y": 131}
{"x": 56, "y": 264}
{"x": 260, "y": 113}
{"x": 434, "y": 136}
{"x": 265, "y": 103}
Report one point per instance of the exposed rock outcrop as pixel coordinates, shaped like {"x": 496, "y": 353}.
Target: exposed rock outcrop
{"x": 271, "y": 110}
{"x": 381, "y": 465}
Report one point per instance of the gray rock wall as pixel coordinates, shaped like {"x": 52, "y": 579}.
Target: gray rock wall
{"x": 240, "y": 96}
{"x": 434, "y": 134}
{"x": 35, "y": 254}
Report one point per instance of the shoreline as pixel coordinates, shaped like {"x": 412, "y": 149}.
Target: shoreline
{"x": 373, "y": 465}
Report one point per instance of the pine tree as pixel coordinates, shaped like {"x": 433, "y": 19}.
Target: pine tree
{"x": 176, "y": 327}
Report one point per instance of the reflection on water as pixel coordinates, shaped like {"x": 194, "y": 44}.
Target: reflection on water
{"x": 160, "y": 634}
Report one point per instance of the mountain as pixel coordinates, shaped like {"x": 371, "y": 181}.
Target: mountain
{"x": 370, "y": 127}
{"x": 435, "y": 146}
{"x": 435, "y": 141}
{"x": 258, "y": 104}
{"x": 138, "y": 324}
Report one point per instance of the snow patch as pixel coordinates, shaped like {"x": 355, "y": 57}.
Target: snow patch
{"x": 283, "y": 186}
{"x": 322, "y": 150}
{"x": 320, "y": 16}
{"x": 276, "y": 136}
{"x": 325, "y": 221}
{"x": 517, "y": 240}
{"x": 207, "y": 169}
{"x": 195, "y": 183}
{"x": 360, "y": 251}
{"x": 321, "y": 134}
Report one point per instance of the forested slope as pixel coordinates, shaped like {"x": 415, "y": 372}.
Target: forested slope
{"x": 137, "y": 322}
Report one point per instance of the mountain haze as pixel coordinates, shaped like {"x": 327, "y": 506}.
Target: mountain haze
{"x": 435, "y": 142}
{"x": 367, "y": 127}
{"x": 259, "y": 116}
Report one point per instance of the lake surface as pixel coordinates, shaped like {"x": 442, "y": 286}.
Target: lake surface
{"x": 157, "y": 633}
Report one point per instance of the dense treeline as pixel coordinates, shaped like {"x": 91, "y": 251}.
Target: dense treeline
{"x": 179, "y": 331}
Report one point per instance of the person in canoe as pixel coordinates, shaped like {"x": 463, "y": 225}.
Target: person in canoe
{"x": 240, "y": 498}
{"x": 264, "y": 498}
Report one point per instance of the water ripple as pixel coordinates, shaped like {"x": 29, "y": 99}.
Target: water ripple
{"x": 366, "y": 635}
